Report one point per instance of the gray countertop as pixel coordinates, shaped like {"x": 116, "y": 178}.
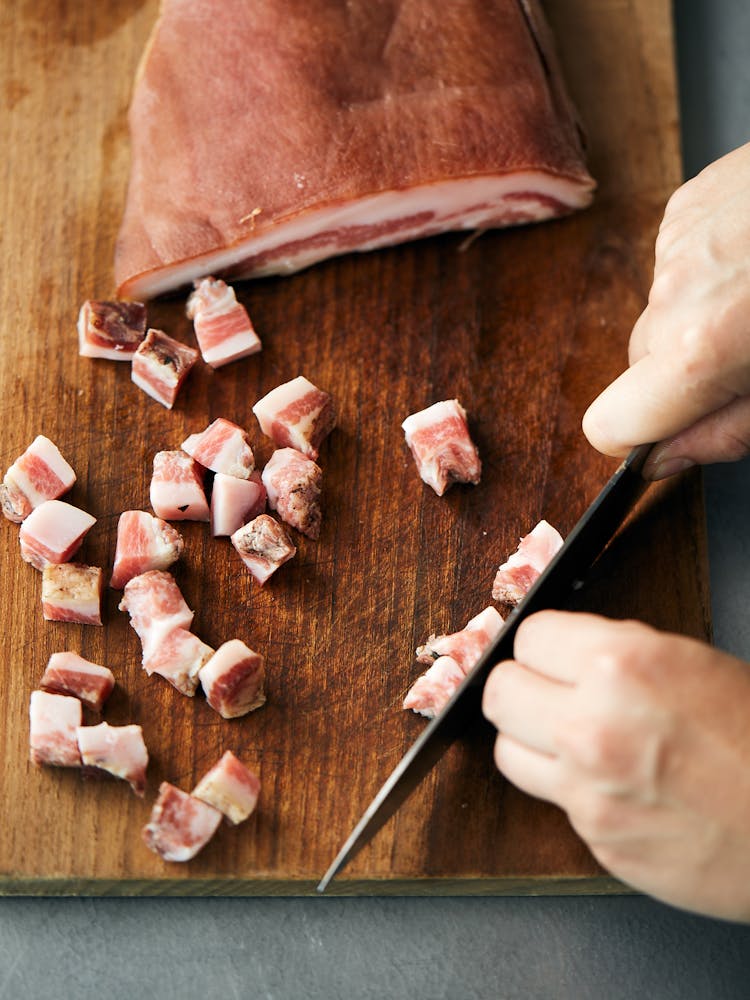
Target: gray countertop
{"x": 618, "y": 947}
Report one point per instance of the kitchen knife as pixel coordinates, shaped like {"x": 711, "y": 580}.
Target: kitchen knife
{"x": 565, "y": 573}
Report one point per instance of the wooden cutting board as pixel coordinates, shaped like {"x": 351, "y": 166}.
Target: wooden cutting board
{"x": 524, "y": 326}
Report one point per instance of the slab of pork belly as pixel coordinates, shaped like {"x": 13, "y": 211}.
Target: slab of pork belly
{"x": 535, "y": 551}
{"x": 222, "y": 447}
{"x": 263, "y": 545}
{"x": 230, "y": 787}
{"x": 53, "y": 532}
{"x": 442, "y": 448}
{"x": 72, "y": 592}
{"x": 178, "y": 656}
{"x": 222, "y": 326}
{"x": 118, "y": 750}
{"x": 156, "y": 607}
{"x": 296, "y": 415}
{"x": 68, "y": 673}
{"x": 161, "y": 365}
{"x": 176, "y": 491}
{"x": 111, "y": 330}
{"x": 431, "y": 692}
{"x": 40, "y": 473}
{"x": 467, "y": 645}
{"x": 293, "y": 483}
{"x": 180, "y": 825}
{"x": 390, "y": 122}
{"x": 54, "y": 719}
{"x": 234, "y": 502}
{"x": 144, "y": 542}
{"x": 233, "y": 680}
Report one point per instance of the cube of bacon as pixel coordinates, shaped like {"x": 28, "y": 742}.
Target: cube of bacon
{"x": 222, "y": 325}
{"x": 439, "y": 441}
{"x": 156, "y": 607}
{"x": 293, "y": 483}
{"x": 535, "y": 551}
{"x": 72, "y": 592}
{"x": 118, "y": 750}
{"x": 144, "y": 542}
{"x": 467, "y": 645}
{"x": 40, "y": 474}
{"x": 180, "y": 825}
{"x": 230, "y": 787}
{"x": 111, "y": 330}
{"x": 233, "y": 680}
{"x": 431, "y": 692}
{"x": 161, "y": 365}
{"x": 234, "y": 502}
{"x": 296, "y": 415}
{"x": 53, "y": 532}
{"x": 177, "y": 492}
{"x": 54, "y": 719}
{"x": 68, "y": 673}
{"x": 222, "y": 447}
{"x": 178, "y": 656}
{"x": 263, "y": 545}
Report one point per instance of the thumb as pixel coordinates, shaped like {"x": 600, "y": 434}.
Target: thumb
{"x": 722, "y": 436}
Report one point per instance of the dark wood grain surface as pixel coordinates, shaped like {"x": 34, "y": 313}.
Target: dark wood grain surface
{"x": 524, "y": 326}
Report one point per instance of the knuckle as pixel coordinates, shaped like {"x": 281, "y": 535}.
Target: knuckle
{"x": 593, "y": 744}
{"x": 595, "y": 816}
{"x": 666, "y": 288}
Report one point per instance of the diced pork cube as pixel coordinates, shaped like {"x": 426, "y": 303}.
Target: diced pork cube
{"x": 111, "y": 330}
{"x": 466, "y": 646}
{"x": 144, "y": 542}
{"x": 293, "y": 483}
{"x": 439, "y": 441}
{"x": 72, "y": 592}
{"x": 54, "y": 719}
{"x": 230, "y": 787}
{"x": 156, "y": 607}
{"x": 180, "y": 824}
{"x": 118, "y": 750}
{"x": 40, "y": 474}
{"x": 222, "y": 447}
{"x": 222, "y": 325}
{"x": 263, "y": 545}
{"x": 177, "y": 492}
{"x": 535, "y": 551}
{"x": 233, "y": 680}
{"x": 234, "y": 502}
{"x": 431, "y": 692}
{"x": 161, "y": 365}
{"x": 68, "y": 673}
{"x": 53, "y": 532}
{"x": 296, "y": 415}
{"x": 178, "y": 656}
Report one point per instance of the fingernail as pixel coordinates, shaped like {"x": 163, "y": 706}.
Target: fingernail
{"x": 665, "y": 467}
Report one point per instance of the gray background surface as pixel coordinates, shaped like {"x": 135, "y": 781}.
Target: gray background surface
{"x": 453, "y": 948}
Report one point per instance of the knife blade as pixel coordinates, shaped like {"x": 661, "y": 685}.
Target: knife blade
{"x": 565, "y": 573}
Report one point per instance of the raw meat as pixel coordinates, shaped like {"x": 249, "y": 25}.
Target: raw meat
{"x": 351, "y": 126}
{"x": 72, "y": 592}
{"x": 118, "y": 750}
{"x": 296, "y": 415}
{"x": 222, "y": 325}
{"x": 180, "y": 825}
{"x": 222, "y": 447}
{"x": 161, "y": 365}
{"x": 534, "y": 553}
{"x": 233, "y": 680}
{"x": 431, "y": 692}
{"x": 176, "y": 491}
{"x": 234, "y": 502}
{"x": 178, "y": 656}
{"x": 466, "y": 646}
{"x": 293, "y": 483}
{"x": 230, "y": 787}
{"x": 40, "y": 474}
{"x": 54, "y": 719}
{"x": 53, "y": 532}
{"x": 144, "y": 542}
{"x": 156, "y": 607}
{"x": 441, "y": 446}
{"x": 68, "y": 673}
{"x": 263, "y": 545}
{"x": 111, "y": 330}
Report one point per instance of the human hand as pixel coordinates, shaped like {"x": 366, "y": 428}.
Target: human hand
{"x": 688, "y": 384}
{"x": 643, "y": 738}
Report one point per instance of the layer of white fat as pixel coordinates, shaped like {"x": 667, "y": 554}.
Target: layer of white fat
{"x": 120, "y": 750}
{"x": 67, "y": 660}
{"x": 87, "y": 349}
{"x": 240, "y": 345}
{"x": 51, "y": 714}
{"x": 234, "y": 457}
{"x": 231, "y": 499}
{"x": 48, "y": 452}
{"x": 149, "y": 388}
{"x": 489, "y": 621}
{"x": 433, "y": 415}
{"x": 56, "y": 525}
{"x": 469, "y": 203}
{"x": 268, "y": 408}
